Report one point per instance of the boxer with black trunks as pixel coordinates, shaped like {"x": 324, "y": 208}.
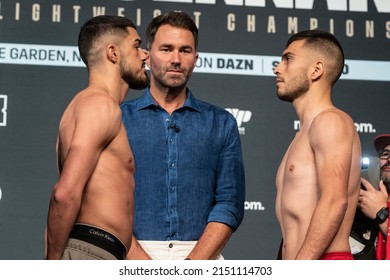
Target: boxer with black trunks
{"x": 86, "y": 241}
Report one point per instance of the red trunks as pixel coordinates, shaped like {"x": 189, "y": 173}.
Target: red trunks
{"x": 337, "y": 256}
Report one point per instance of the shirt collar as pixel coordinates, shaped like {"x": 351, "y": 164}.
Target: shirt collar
{"x": 147, "y": 101}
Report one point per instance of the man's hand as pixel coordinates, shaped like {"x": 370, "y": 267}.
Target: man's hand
{"x": 372, "y": 200}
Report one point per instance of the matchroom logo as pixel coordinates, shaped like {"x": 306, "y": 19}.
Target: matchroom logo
{"x": 241, "y": 116}
{"x": 360, "y": 127}
{"x": 254, "y": 206}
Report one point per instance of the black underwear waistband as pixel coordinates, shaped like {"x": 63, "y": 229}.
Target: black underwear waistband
{"x": 100, "y": 238}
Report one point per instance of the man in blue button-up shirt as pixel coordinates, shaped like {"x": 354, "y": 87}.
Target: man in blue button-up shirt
{"x": 190, "y": 185}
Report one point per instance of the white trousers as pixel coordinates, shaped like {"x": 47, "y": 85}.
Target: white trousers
{"x": 169, "y": 250}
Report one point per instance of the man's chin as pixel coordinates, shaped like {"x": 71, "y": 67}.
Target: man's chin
{"x": 176, "y": 83}
{"x": 285, "y": 98}
{"x": 385, "y": 177}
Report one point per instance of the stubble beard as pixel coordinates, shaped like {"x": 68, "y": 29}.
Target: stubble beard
{"x": 135, "y": 79}
{"x": 385, "y": 177}
{"x": 298, "y": 88}
{"x": 160, "y": 77}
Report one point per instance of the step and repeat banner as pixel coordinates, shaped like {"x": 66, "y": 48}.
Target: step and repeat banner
{"x": 240, "y": 44}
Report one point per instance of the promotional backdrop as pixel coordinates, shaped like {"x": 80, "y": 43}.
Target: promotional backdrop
{"x": 240, "y": 43}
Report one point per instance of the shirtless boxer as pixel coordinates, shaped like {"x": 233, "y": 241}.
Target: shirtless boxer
{"x": 318, "y": 180}
{"x": 91, "y": 207}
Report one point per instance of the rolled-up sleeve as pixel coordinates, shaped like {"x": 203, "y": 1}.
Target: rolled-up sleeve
{"x": 230, "y": 180}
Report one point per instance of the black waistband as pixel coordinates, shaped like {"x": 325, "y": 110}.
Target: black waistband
{"x": 99, "y": 238}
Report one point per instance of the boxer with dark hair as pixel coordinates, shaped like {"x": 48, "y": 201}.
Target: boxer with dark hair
{"x": 317, "y": 182}
{"x": 91, "y": 206}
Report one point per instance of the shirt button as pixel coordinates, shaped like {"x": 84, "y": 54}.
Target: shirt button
{"x": 170, "y": 245}
{"x": 171, "y": 188}
{"x": 172, "y": 164}
{"x": 167, "y": 120}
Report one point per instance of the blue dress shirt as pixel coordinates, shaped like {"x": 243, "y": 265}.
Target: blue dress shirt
{"x": 188, "y": 168}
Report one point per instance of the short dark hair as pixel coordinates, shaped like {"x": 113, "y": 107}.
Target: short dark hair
{"x": 325, "y": 43}
{"x": 173, "y": 18}
{"x": 99, "y": 26}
